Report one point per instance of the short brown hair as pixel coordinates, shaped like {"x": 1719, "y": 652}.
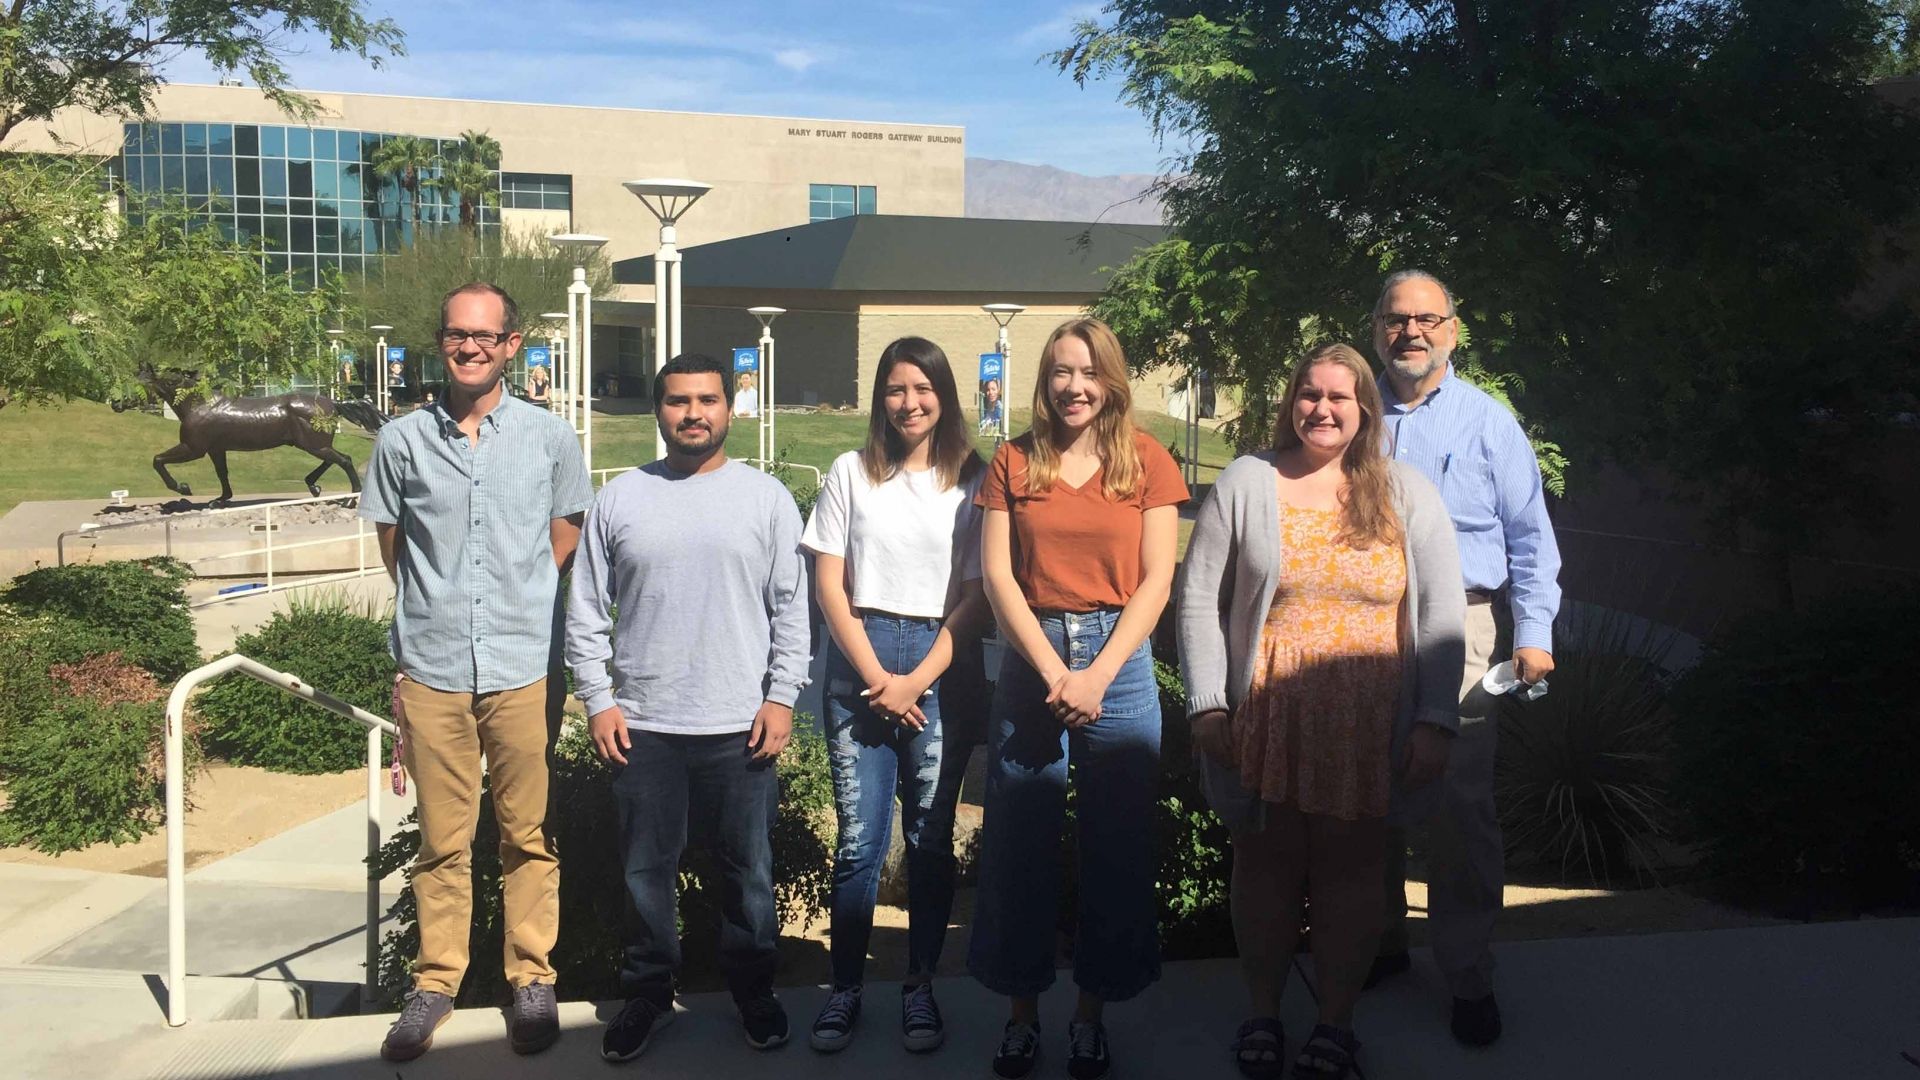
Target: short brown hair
{"x": 509, "y": 325}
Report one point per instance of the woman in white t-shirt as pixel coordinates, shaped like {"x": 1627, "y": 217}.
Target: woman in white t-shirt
{"x": 896, "y": 544}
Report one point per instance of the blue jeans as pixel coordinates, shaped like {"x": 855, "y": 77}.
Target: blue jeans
{"x": 730, "y": 799}
{"x": 873, "y": 759}
{"x": 1116, "y": 776}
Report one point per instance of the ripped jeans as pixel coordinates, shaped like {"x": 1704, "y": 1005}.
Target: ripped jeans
{"x": 874, "y": 759}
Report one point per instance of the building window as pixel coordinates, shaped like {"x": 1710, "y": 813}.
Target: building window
{"x": 536, "y": 191}
{"x": 311, "y": 192}
{"x": 828, "y": 201}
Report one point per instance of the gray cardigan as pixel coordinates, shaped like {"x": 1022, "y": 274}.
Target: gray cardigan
{"x": 1232, "y": 567}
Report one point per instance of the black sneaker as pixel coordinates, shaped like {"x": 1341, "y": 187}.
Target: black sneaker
{"x": 1019, "y": 1051}
{"x": 1476, "y": 1021}
{"x": 921, "y": 1028}
{"x": 1087, "y": 1050}
{"x": 412, "y": 1034}
{"x": 628, "y": 1033}
{"x": 833, "y": 1028}
{"x": 536, "y": 1018}
{"x": 1386, "y": 966}
{"x": 765, "y": 1021}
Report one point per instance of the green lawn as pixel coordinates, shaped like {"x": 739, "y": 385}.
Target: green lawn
{"x": 83, "y": 450}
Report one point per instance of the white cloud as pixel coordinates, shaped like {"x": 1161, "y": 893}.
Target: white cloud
{"x": 796, "y": 60}
{"x": 1058, "y": 31}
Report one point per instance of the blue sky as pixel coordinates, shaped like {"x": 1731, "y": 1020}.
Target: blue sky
{"x": 926, "y": 61}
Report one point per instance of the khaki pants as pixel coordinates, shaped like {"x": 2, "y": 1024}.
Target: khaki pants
{"x": 1466, "y": 862}
{"x": 446, "y": 736}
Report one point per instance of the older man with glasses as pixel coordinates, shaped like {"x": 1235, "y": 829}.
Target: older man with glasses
{"x": 1476, "y": 454}
{"x": 478, "y": 501}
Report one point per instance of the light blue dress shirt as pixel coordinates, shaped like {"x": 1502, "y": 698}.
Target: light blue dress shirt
{"x": 1475, "y": 452}
{"x": 479, "y": 596}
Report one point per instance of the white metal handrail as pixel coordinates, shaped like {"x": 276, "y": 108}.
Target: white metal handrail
{"x": 177, "y": 820}
{"x": 166, "y": 523}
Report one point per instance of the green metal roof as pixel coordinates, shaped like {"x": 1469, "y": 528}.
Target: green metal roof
{"x": 898, "y": 253}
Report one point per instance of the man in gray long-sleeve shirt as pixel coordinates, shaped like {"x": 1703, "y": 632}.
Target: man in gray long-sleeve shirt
{"x": 701, "y": 558}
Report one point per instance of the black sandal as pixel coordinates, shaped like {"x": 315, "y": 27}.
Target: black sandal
{"x": 1327, "y": 1055}
{"x": 1257, "y": 1048}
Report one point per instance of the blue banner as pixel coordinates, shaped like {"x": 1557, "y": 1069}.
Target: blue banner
{"x": 538, "y": 356}
{"x": 396, "y": 354}
{"x": 746, "y": 359}
{"x": 990, "y": 365}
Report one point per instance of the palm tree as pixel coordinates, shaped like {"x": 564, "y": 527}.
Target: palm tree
{"x": 474, "y": 183}
{"x": 471, "y": 174}
{"x": 405, "y": 160}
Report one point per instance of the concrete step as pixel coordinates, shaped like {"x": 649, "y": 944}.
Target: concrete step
{"x": 59, "y": 1021}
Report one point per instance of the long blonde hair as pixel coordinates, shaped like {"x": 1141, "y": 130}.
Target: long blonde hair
{"x": 1367, "y": 516}
{"x": 1112, "y": 427}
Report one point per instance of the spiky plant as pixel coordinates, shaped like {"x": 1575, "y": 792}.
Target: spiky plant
{"x": 1582, "y": 778}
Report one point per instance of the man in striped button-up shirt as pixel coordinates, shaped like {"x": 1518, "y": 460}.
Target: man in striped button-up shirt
{"x": 1476, "y": 454}
{"x": 478, "y": 502}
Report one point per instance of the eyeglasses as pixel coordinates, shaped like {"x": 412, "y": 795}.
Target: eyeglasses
{"x": 1397, "y": 323}
{"x": 486, "y": 339}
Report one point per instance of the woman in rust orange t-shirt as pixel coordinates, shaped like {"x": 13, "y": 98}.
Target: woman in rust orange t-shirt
{"x": 1077, "y": 550}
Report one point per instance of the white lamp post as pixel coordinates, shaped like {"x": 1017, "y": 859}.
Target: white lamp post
{"x": 333, "y": 349}
{"x": 666, "y": 199}
{"x": 580, "y": 332}
{"x": 385, "y": 400}
{"x": 766, "y": 316}
{"x": 1002, "y": 315}
{"x": 556, "y": 387}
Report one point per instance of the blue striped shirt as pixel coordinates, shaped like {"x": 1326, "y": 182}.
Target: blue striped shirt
{"x": 1476, "y": 454}
{"x": 479, "y": 597}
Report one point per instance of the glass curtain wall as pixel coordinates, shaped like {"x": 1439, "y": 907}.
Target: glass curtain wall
{"x": 311, "y": 192}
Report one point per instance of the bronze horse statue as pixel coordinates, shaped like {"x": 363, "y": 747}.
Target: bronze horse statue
{"x": 209, "y": 427}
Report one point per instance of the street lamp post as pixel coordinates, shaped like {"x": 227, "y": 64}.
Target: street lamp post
{"x": 580, "y": 331}
{"x": 1002, "y": 315}
{"x": 385, "y": 397}
{"x": 333, "y": 348}
{"x": 766, "y": 316}
{"x": 666, "y": 199}
{"x": 557, "y": 366}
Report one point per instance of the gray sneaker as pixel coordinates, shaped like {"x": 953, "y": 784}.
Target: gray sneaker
{"x": 420, "y": 1017}
{"x": 536, "y": 1018}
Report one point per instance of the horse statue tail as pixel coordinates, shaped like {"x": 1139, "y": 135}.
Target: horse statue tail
{"x": 363, "y": 413}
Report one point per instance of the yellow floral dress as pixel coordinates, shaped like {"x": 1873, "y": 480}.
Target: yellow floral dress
{"x": 1315, "y": 731}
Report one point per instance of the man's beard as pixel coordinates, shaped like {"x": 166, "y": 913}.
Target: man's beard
{"x": 697, "y": 440}
{"x": 1417, "y": 366}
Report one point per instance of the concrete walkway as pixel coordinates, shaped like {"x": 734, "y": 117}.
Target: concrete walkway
{"x": 1828, "y": 1000}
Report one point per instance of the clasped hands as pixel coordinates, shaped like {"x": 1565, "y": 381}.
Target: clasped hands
{"x": 1075, "y": 696}
{"x": 897, "y": 698}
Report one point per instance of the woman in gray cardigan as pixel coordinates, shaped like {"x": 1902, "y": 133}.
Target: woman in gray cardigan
{"x": 1320, "y": 619}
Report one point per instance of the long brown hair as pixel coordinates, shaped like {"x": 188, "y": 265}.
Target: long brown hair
{"x": 949, "y": 448}
{"x": 1112, "y": 427}
{"x": 1367, "y": 516}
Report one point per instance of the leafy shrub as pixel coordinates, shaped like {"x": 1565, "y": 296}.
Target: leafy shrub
{"x": 89, "y": 765}
{"x": 1796, "y": 739}
{"x": 586, "y": 958}
{"x": 328, "y": 642}
{"x": 1584, "y": 774}
{"x": 136, "y": 606}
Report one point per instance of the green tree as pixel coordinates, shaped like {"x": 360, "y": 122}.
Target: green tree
{"x": 407, "y": 160}
{"x": 1900, "y": 39}
{"x": 55, "y": 216}
{"x": 405, "y": 289}
{"x": 104, "y": 56}
{"x": 1658, "y": 215}
{"x": 193, "y": 306}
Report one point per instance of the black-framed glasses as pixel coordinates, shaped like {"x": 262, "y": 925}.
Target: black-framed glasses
{"x": 486, "y": 339}
{"x": 1427, "y": 321}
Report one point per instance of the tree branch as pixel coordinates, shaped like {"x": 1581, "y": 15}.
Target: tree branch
{"x": 1467, "y": 16}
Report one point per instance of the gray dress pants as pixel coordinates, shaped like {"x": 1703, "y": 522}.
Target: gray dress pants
{"x": 1466, "y": 862}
